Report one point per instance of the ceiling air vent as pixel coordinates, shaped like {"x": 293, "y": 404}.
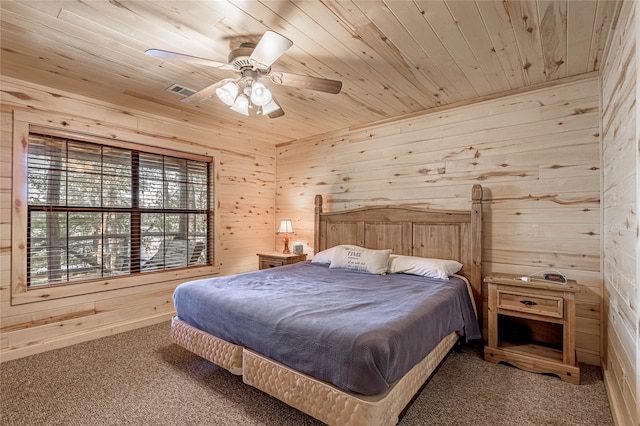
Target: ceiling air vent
{"x": 181, "y": 90}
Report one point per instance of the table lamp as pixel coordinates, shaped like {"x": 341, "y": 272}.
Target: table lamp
{"x": 286, "y": 228}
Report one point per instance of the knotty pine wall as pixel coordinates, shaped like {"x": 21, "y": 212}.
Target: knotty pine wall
{"x": 536, "y": 153}
{"x": 245, "y": 200}
{"x": 621, "y": 227}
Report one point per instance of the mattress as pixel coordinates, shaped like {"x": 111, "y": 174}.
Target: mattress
{"x": 360, "y": 332}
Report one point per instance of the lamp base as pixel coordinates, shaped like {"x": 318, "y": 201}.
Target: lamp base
{"x": 286, "y": 245}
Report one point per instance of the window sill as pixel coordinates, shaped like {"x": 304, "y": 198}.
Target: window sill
{"x": 110, "y": 284}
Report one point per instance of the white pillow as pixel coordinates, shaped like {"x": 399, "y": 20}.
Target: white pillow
{"x": 361, "y": 259}
{"x": 423, "y": 266}
{"x": 325, "y": 256}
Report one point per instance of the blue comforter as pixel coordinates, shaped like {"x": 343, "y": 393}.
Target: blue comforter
{"x": 359, "y": 331}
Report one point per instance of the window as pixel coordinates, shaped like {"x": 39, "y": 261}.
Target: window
{"x": 96, "y": 210}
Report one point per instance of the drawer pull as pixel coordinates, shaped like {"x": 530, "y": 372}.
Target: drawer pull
{"x": 528, "y": 303}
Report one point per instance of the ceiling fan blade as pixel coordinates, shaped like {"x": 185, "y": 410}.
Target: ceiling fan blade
{"x": 206, "y": 93}
{"x": 165, "y": 54}
{"x": 277, "y": 113}
{"x": 306, "y": 82}
{"x": 270, "y": 47}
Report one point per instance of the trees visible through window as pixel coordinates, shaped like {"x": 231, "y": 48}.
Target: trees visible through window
{"x": 98, "y": 211}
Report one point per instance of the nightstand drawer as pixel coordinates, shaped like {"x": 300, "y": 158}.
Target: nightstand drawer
{"x": 548, "y": 306}
{"x": 270, "y": 262}
{"x": 275, "y": 259}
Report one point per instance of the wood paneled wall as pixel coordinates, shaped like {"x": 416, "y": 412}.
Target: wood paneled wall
{"x": 245, "y": 179}
{"x": 621, "y": 207}
{"x": 536, "y": 154}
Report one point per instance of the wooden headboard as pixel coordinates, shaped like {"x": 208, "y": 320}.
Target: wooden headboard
{"x": 442, "y": 234}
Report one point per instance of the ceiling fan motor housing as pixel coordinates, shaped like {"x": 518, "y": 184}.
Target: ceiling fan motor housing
{"x": 240, "y": 59}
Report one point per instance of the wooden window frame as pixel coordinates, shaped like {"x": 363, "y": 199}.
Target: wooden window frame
{"x": 23, "y": 125}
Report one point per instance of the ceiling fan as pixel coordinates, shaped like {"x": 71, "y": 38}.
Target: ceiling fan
{"x": 252, "y": 61}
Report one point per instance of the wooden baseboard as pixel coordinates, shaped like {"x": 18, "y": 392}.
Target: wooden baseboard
{"x": 84, "y": 336}
{"x": 619, "y": 412}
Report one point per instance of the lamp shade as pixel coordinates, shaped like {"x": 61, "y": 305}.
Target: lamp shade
{"x": 241, "y": 105}
{"x": 270, "y": 107}
{"x": 228, "y": 93}
{"x": 285, "y": 227}
{"x": 260, "y": 94}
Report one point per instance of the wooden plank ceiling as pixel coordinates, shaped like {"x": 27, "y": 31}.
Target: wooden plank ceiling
{"x": 393, "y": 57}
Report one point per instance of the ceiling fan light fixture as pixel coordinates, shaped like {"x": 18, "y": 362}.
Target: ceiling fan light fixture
{"x": 260, "y": 94}
{"x": 270, "y": 107}
{"x": 241, "y": 105}
{"x": 228, "y": 93}
{"x": 252, "y": 61}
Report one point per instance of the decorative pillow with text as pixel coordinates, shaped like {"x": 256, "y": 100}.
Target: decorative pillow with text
{"x": 361, "y": 259}
{"x": 325, "y": 256}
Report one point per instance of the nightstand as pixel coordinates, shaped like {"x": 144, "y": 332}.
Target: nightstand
{"x": 531, "y": 325}
{"x": 274, "y": 259}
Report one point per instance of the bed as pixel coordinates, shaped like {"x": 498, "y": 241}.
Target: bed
{"x": 333, "y": 362}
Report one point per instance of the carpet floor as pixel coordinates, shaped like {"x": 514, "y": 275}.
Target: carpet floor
{"x": 141, "y": 378}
